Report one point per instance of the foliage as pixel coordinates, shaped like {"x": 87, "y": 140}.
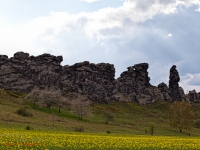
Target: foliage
{"x": 34, "y": 95}
{"x": 22, "y": 139}
{"x": 12, "y": 94}
{"x": 80, "y": 107}
{"x": 108, "y": 132}
{"x": 151, "y": 129}
{"x": 197, "y": 124}
{"x": 108, "y": 117}
{"x": 28, "y": 128}
{"x": 79, "y": 129}
{"x": 3, "y": 93}
{"x": 23, "y": 112}
{"x": 180, "y": 115}
{"x": 47, "y": 96}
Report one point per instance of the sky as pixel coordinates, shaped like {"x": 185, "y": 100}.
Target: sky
{"x": 161, "y": 33}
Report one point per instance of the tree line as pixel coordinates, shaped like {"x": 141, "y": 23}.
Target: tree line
{"x": 180, "y": 113}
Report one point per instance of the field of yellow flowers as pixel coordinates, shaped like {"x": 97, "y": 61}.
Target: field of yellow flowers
{"x": 39, "y": 140}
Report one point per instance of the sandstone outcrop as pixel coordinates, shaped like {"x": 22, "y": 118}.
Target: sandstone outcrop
{"x": 176, "y": 93}
{"x": 193, "y": 96}
{"x": 95, "y": 81}
{"x": 165, "y": 91}
{"x": 21, "y": 73}
{"x": 134, "y": 84}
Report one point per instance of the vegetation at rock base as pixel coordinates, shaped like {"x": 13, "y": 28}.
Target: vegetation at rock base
{"x": 124, "y": 131}
{"x": 129, "y": 118}
{"x": 181, "y": 115}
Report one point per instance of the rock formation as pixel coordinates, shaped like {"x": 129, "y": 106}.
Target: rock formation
{"x": 22, "y": 73}
{"x": 193, "y": 96}
{"x": 165, "y": 91}
{"x": 95, "y": 81}
{"x": 176, "y": 93}
{"x": 135, "y": 85}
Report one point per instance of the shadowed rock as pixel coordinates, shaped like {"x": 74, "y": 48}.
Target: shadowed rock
{"x": 176, "y": 93}
{"x": 134, "y": 84}
{"x": 193, "y": 96}
{"x": 165, "y": 91}
{"x": 95, "y": 81}
{"x": 22, "y": 73}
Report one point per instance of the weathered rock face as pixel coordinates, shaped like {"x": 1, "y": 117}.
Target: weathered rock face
{"x": 135, "y": 85}
{"x": 176, "y": 93}
{"x": 193, "y": 96}
{"x": 165, "y": 91}
{"x": 22, "y": 73}
{"x": 96, "y": 81}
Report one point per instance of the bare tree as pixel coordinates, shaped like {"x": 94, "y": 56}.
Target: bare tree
{"x": 52, "y": 119}
{"x": 49, "y": 97}
{"x": 108, "y": 117}
{"x": 61, "y": 101}
{"x": 80, "y": 107}
{"x": 34, "y": 95}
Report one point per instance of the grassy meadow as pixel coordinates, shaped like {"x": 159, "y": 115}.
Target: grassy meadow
{"x": 130, "y": 129}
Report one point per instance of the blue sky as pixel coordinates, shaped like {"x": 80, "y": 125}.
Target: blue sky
{"x": 121, "y": 32}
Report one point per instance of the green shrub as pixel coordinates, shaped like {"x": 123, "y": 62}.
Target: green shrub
{"x": 197, "y": 124}
{"x": 28, "y": 128}
{"x": 23, "y": 112}
{"x": 12, "y": 94}
{"x": 79, "y": 129}
{"x": 108, "y": 131}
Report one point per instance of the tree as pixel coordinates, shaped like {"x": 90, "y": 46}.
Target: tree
{"x": 108, "y": 117}
{"x": 61, "y": 102}
{"x": 49, "y": 97}
{"x": 151, "y": 128}
{"x": 80, "y": 107}
{"x": 52, "y": 119}
{"x": 180, "y": 115}
{"x": 34, "y": 95}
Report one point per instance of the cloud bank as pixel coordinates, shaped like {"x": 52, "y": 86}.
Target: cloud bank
{"x": 159, "y": 32}
{"x": 89, "y": 1}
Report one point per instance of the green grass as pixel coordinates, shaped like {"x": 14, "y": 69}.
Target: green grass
{"x": 53, "y": 110}
{"x": 129, "y": 118}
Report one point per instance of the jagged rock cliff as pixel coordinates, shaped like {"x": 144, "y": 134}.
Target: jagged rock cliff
{"x": 165, "y": 91}
{"x": 193, "y": 96}
{"x": 134, "y": 84}
{"x": 95, "y": 81}
{"x": 22, "y": 73}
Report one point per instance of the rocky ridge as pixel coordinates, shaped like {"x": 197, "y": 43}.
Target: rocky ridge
{"x": 21, "y": 73}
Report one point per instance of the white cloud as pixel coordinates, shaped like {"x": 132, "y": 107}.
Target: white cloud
{"x": 114, "y": 35}
{"x": 89, "y": 1}
{"x": 169, "y": 35}
{"x": 190, "y": 82}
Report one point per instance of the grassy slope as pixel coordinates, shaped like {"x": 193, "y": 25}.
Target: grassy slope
{"x": 129, "y": 118}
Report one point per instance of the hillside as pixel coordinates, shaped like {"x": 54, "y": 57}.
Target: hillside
{"x": 129, "y": 118}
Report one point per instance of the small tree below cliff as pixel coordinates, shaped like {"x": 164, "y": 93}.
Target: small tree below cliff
{"x": 80, "y": 107}
{"x": 180, "y": 115}
{"x": 108, "y": 117}
{"x": 34, "y": 95}
{"x": 50, "y": 97}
